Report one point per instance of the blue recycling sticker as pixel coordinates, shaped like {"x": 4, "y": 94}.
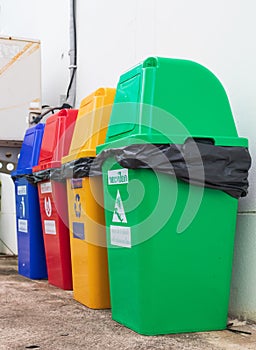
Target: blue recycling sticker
{"x": 78, "y": 230}
{"x": 76, "y": 183}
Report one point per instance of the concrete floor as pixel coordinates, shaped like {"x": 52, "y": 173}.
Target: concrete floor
{"x": 36, "y": 315}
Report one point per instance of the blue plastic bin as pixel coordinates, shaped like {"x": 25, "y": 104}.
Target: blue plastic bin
{"x": 31, "y": 253}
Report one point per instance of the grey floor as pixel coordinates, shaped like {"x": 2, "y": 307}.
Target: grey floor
{"x": 36, "y": 315}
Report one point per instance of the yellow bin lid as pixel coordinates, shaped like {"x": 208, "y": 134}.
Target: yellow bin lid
{"x": 91, "y": 124}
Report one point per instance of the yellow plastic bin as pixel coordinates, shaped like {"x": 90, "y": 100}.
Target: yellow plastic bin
{"x": 85, "y": 204}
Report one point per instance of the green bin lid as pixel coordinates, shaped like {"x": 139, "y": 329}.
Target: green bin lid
{"x": 164, "y": 100}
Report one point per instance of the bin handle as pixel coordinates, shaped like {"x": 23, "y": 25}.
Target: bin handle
{"x": 205, "y": 140}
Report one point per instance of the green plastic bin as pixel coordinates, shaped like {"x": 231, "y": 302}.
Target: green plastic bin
{"x": 170, "y": 243}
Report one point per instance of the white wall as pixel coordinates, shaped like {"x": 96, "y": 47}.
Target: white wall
{"x": 114, "y": 35}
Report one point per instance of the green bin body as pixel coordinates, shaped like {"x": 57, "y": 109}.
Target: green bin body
{"x": 170, "y": 243}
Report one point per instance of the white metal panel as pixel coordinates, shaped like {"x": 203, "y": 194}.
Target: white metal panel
{"x": 47, "y": 21}
{"x": 8, "y": 236}
{"x": 20, "y": 85}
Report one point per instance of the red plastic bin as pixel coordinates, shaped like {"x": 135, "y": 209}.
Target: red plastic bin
{"x": 53, "y": 198}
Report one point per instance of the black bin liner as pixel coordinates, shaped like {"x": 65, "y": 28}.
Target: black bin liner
{"x": 197, "y": 162}
{"x": 200, "y": 163}
{"x": 81, "y": 167}
{"x": 43, "y": 175}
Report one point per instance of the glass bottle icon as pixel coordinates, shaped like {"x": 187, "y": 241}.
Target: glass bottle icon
{"x": 22, "y": 208}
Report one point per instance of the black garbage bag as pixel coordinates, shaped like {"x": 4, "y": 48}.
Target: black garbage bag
{"x": 79, "y": 168}
{"x": 42, "y": 175}
{"x": 197, "y": 162}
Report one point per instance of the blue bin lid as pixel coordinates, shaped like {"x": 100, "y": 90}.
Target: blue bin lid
{"x": 30, "y": 150}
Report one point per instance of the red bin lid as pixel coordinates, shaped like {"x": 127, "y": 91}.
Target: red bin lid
{"x": 57, "y": 138}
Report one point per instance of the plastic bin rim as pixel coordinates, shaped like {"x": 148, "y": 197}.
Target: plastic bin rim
{"x": 180, "y": 139}
{"x": 61, "y": 113}
{"x": 46, "y": 166}
{"x": 154, "y": 62}
{"x": 100, "y": 92}
{"x": 89, "y": 153}
{"x": 25, "y": 171}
